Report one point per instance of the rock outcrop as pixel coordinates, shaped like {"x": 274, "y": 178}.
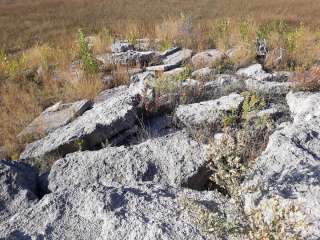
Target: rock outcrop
{"x": 209, "y": 113}
{"x": 18, "y": 188}
{"x": 97, "y": 125}
{"x": 102, "y": 212}
{"x": 289, "y": 168}
{"x": 130, "y": 165}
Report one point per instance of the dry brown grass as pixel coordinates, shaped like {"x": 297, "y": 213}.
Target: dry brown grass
{"x": 307, "y": 80}
{"x": 24, "y": 23}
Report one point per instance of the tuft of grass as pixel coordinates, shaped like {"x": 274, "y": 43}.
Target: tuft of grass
{"x": 307, "y": 80}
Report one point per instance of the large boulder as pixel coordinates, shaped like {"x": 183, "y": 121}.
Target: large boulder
{"x": 54, "y": 117}
{"x": 207, "y": 58}
{"x": 172, "y": 159}
{"x": 208, "y": 113}
{"x": 289, "y": 168}
{"x": 96, "y": 126}
{"x": 18, "y": 187}
{"x": 126, "y": 212}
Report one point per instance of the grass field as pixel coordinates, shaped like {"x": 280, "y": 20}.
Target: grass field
{"x": 25, "y": 22}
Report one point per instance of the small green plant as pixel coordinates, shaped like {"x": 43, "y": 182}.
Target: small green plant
{"x": 80, "y": 143}
{"x": 230, "y": 119}
{"x": 227, "y": 161}
{"x": 169, "y": 84}
{"x": 252, "y": 102}
{"x": 88, "y": 62}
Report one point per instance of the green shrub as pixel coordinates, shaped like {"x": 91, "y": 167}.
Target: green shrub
{"x": 88, "y": 62}
{"x": 252, "y": 102}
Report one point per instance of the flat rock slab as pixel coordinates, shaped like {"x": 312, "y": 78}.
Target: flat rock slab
{"x": 101, "y": 212}
{"x": 254, "y": 71}
{"x": 54, "y": 117}
{"x": 129, "y": 57}
{"x": 208, "y": 113}
{"x": 105, "y": 120}
{"x": 175, "y": 72}
{"x": 267, "y": 87}
{"x": 171, "y": 159}
{"x": 204, "y": 74}
{"x": 18, "y": 187}
{"x": 207, "y": 58}
{"x": 178, "y": 58}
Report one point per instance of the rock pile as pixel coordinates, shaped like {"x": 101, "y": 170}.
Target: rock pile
{"x": 125, "y": 167}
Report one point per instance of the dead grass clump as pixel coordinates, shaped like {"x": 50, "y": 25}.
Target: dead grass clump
{"x": 86, "y": 87}
{"x": 102, "y": 41}
{"x": 307, "y": 80}
{"x": 176, "y": 31}
{"x": 19, "y": 106}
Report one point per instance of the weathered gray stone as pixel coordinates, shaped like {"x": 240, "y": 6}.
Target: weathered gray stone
{"x": 254, "y": 71}
{"x": 177, "y": 58}
{"x": 171, "y": 159}
{"x": 289, "y": 168}
{"x": 208, "y": 113}
{"x": 101, "y": 212}
{"x": 267, "y": 87}
{"x": 105, "y": 120}
{"x": 161, "y": 68}
{"x": 175, "y": 72}
{"x": 121, "y": 46}
{"x": 18, "y": 187}
{"x": 169, "y": 52}
{"x": 304, "y": 105}
{"x": 203, "y": 74}
{"x": 54, "y": 117}
{"x": 129, "y": 57}
{"x": 222, "y": 84}
{"x": 207, "y": 58}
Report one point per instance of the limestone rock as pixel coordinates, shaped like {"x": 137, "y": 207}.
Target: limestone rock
{"x": 203, "y": 74}
{"x": 107, "y": 213}
{"x": 303, "y": 105}
{"x": 267, "y": 87}
{"x": 18, "y": 187}
{"x": 207, "y": 58}
{"x": 171, "y": 159}
{"x": 121, "y": 46}
{"x": 289, "y": 168}
{"x": 105, "y": 120}
{"x": 54, "y": 117}
{"x": 208, "y": 113}
{"x": 177, "y": 58}
{"x": 254, "y": 71}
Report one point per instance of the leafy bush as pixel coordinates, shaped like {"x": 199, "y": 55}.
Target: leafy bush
{"x": 88, "y": 62}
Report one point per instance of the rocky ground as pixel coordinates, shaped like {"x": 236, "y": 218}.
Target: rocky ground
{"x": 135, "y": 163}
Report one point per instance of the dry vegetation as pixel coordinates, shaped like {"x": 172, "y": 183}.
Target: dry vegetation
{"x": 25, "y": 22}
{"x": 40, "y": 39}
